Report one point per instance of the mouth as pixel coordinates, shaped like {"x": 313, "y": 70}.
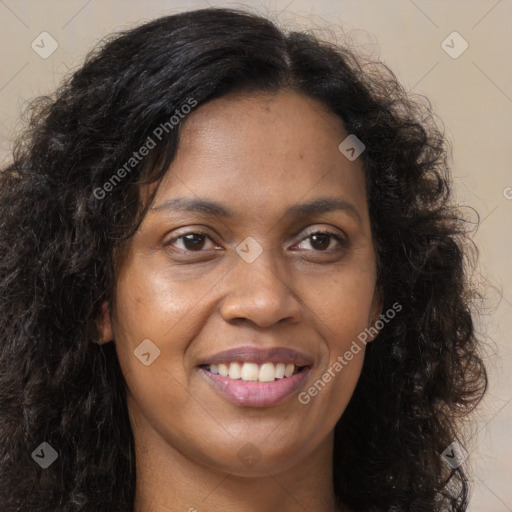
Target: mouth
{"x": 252, "y": 377}
{"x": 251, "y": 372}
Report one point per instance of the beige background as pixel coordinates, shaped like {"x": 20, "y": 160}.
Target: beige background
{"x": 472, "y": 94}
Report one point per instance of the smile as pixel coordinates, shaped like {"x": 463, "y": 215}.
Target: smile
{"x": 251, "y": 376}
{"x": 255, "y": 392}
{"x": 266, "y": 372}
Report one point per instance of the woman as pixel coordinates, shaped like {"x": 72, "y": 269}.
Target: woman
{"x": 231, "y": 278}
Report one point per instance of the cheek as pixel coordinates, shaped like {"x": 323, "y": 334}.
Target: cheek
{"x": 342, "y": 304}
{"x": 152, "y": 302}
{"x": 341, "y": 308}
{"x": 152, "y": 307}
{"x": 161, "y": 316}
{"x": 341, "y": 315}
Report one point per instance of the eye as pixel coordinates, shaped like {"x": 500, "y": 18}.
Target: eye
{"x": 197, "y": 241}
{"x": 323, "y": 241}
{"x": 193, "y": 241}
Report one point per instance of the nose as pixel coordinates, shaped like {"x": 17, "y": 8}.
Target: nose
{"x": 260, "y": 294}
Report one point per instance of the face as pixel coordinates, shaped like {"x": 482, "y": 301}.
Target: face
{"x": 255, "y": 261}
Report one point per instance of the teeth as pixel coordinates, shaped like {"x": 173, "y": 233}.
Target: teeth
{"x": 288, "y": 371}
{"x": 235, "y": 371}
{"x": 223, "y": 370}
{"x": 249, "y": 371}
{"x": 267, "y": 372}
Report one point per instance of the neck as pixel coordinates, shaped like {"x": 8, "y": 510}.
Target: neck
{"x": 168, "y": 481}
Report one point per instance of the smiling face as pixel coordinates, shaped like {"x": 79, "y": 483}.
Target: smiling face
{"x": 255, "y": 258}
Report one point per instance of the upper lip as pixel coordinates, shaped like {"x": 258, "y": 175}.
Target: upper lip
{"x": 251, "y": 354}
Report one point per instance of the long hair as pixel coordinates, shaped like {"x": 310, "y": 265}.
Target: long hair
{"x": 61, "y": 227}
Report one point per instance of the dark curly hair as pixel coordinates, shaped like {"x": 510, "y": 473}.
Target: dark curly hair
{"x": 59, "y": 250}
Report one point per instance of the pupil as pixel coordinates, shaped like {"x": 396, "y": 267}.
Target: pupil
{"x": 324, "y": 241}
{"x": 193, "y": 241}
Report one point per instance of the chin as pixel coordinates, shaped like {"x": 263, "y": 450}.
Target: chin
{"x": 255, "y": 459}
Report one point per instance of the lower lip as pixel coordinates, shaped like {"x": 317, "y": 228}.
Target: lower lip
{"x": 255, "y": 393}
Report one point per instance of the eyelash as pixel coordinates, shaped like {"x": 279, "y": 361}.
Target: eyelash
{"x": 340, "y": 239}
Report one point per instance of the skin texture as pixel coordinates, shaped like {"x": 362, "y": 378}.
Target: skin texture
{"x": 257, "y": 155}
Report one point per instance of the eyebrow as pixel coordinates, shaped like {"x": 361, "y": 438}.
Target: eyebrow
{"x": 305, "y": 209}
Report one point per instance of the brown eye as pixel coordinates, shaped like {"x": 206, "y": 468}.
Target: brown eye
{"x": 193, "y": 242}
{"x": 190, "y": 241}
{"x": 322, "y": 241}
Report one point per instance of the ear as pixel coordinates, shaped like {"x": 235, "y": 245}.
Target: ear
{"x": 105, "y": 325}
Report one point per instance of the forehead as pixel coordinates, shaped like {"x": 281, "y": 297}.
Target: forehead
{"x": 262, "y": 148}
